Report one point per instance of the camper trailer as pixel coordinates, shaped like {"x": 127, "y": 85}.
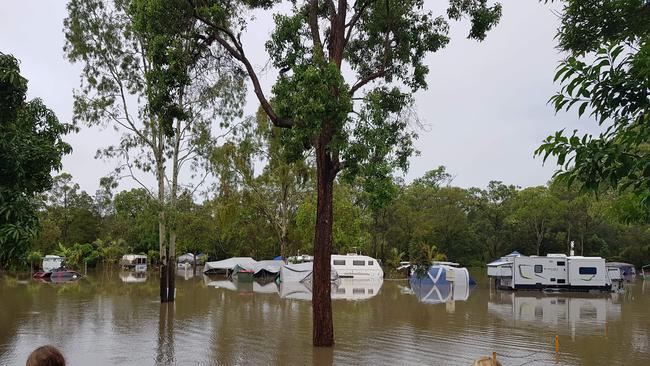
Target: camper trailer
{"x": 134, "y": 262}
{"x": 554, "y": 271}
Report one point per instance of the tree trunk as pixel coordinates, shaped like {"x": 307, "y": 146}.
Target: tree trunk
{"x": 373, "y": 234}
{"x": 171, "y": 266}
{"x": 284, "y": 239}
{"x": 162, "y": 227}
{"x": 323, "y": 329}
{"x": 162, "y": 237}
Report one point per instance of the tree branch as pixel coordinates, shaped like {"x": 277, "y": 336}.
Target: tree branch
{"x": 367, "y": 80}
{"x": 237, "y": 51}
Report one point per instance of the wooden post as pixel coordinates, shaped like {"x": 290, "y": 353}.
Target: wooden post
{"x": 494, "y": 358}
{"x": 557, "y": 344}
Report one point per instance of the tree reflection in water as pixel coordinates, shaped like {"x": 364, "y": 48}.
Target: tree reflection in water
{"x": 165, "y": 351}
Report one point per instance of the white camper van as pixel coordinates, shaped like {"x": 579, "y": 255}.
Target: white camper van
{"x": 556, "y": 271}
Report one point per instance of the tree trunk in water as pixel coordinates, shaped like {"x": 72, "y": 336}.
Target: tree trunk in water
{"x": 164, "y": 275}
{"x": 323, "y": 329}
{"x": 171, "y": 266}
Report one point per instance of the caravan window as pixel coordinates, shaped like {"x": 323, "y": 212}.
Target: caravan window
{"x": 358, "y": 263}
{"x": 370, "y": 263}
{"x": 539, "y": 268}
{"x": 339, "y": 262}
{"x": 560, "y": 263}
{"x": 587, "y": 270}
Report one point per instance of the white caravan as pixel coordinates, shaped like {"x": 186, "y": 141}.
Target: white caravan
{"x": 134, "y": 262}
{"x": 356, "y": 266}
{"x": 555, "y": 271}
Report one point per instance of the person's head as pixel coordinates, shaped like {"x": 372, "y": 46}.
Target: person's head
{"x": 485, "y": 361}
{"x": 46, "y": 356}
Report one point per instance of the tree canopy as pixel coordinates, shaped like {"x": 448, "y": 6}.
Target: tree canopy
{"x": 607, "y": 77}
{"x": 31, "y": 147}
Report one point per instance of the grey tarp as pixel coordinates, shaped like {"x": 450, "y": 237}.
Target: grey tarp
{"x": 271, "y": 267}
{"x": 229, "y": 264}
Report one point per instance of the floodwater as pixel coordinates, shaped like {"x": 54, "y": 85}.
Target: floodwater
{"x": 113, "y": 318}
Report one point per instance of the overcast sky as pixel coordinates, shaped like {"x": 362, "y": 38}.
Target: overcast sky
{"x": 485, "y": 111}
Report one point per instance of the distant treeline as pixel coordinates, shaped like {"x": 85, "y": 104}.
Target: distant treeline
{"x": 471, "y": 226}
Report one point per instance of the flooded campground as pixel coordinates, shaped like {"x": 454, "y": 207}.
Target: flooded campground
{"x": 114, "y": 318}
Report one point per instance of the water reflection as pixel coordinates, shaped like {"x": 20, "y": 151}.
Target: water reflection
{"x": 101, "y": 320}
{"x": 165, "y": 347}
{"x": 187, "y": 272}
{"x": 342, "y": 289}
{"x": 584, "y": 311}
{"x": 438, "y": 294}
{"x": 133, "y": 277}
{"x": 352, "y": 289}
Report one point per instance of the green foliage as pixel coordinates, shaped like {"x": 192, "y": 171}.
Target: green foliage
{"x": 471, "y": 226}
{"x": 384, "y": 43}
{"x": 607, "y": 77}
{"x": 34, "y": 259}
{"x": 395, "y": 258}
{"x": 31, "y": 147}
{"x": 537, "y": 210}
{"x": 422, "y": 260}
{"x": 348, "y": 232}
{"x": 78, "y": 255}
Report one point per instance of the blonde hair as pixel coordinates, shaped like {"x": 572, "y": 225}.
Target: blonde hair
{"x": 486, "y": 361}
{"x": 46, "y": 356}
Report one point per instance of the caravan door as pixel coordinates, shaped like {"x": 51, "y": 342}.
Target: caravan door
{"x": 562, "y": 274}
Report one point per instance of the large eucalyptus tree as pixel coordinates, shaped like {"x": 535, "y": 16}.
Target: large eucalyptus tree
{"x": 348, "y": 71}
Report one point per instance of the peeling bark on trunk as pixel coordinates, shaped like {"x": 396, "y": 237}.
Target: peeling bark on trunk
{"x": 323, "y": 329}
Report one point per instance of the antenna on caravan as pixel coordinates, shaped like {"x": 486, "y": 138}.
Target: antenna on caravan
{"x": 572, "y": 245}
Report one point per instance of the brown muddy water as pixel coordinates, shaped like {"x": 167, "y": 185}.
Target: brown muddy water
{"x": 113, "y": 318}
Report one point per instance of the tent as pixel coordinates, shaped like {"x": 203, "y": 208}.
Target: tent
{"x": 228, "y": 265}
{"x": 269, "y": 268}
{"x": 442, "y": 283}
{"x": 440, "y": 274}
{"x": 301, "y": 272}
